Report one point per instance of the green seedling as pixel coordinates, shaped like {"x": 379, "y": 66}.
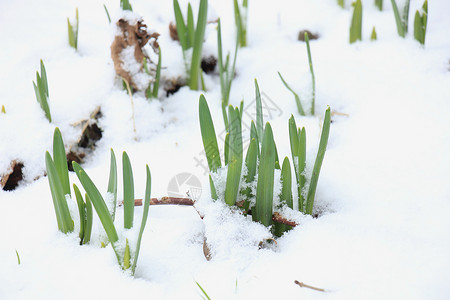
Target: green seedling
{"x": 379, "y": 4}
{"x": 420, "y": 23}
{"x": 373, "y": 36}
{"x": 127, "y": 258}
{"x": 226, "y": 72}
{"x": 356, "y": 25}
{"x": 107, "y": 13}
{"x": 401, "y": 17}
{"x": 300, "y": 109}
{"x": 125, "y": 5}
{"x": 341, "y": 3}
{"x": 153, "y": 88}
{"x": 191, "y": 40}
{"x": 18, "y": 257}
{"x": 73, "y": 31}
{"x": 41, "y": 91}
{"x": 240, "y": 17}
{"x": 3, "y": 111}
{"x": 205, "y": 295}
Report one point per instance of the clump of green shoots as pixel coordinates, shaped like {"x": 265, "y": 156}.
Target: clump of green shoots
{"x": 153, "y": 87}
{"x": 191, "y": 40}
{"x": 126, "y": 256}
{"x": 125, "y": 5}
{"x": 260, "y": 163}
{"x": 226, "y": 72}
{"x": 240, "y": 18}
{"x": 41, "y": 91}
{"x": 73, "y": 31}
{"x": 300, "y": 109}
{"x": 420, "y": 23}
{"x": 356, "y": 25}
{"x": 401, "y": 17}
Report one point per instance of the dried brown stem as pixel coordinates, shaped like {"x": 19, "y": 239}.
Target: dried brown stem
{"x": 282, "y": 220}
{"x": 301, "y": 284}
{"x": 167, "y": 201}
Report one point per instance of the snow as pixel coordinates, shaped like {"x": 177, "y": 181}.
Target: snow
{"x": 383, "y": 194}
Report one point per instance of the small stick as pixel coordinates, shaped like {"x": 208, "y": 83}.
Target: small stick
{"x": 301, "y": 284}
{"x": 167, "y": 201}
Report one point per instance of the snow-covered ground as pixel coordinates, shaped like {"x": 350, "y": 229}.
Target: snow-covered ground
{"x": 384, "y": 193}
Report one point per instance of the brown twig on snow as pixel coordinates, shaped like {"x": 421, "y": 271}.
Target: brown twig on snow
{"x": 167, "y": 201}
{"x": 280, "y": 219}
{"x": 301, "y": 284}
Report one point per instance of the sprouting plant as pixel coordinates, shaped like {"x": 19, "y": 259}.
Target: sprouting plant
{"x": 3, "y": 111}
{"x": 260, "y": 164}
{"x": 356, "y": 25}
{"x": 126, "y": 256}
{"x": 300, "y": 109}
{"x": 191, "y": 40}
{"x": 420, "y": 23}
{"x": 73, "y": 31}
{"x": 18, "y": 257}
{"x": 226, "y": 72}
{"x": 401, "y": 17}
{"x": 125, "y": 5}
{"x": 152, "y": 90}
{"x": 341, "y": 3}
{"x": 41, "y": 91}
{"x": 379, "y": 4}
{"x": 107, "y": 13}
{"x": 240, "y": 18}
{"x": 205, "y": 295}
{"x": 373, "y": 36}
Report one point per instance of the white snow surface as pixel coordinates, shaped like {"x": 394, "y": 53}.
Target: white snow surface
{"x": 383, "y": 193}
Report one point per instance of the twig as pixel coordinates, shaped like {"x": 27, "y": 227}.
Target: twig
{"x": 301, "y": 284}
{"x": 167, "y": 201}
{"x": 282, "y": 220}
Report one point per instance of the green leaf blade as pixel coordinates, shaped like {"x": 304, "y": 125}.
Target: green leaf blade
{"x": 209, "y": 136}
{"x": 112, "y": 182}
{"x": 128, "y": 192}
{"x": 59, "y": 156}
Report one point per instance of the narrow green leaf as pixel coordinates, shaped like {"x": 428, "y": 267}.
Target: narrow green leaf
{"x": 126, "y": 256}
{"x": 296, "y": 96}
{"x": 203, "y": 291}
{"x": 259, "y": 115}
{"x": 401, "y": 19}
{"x": 356, "y": 25}
{"x": 65, "y": 222}
{"x": 125, "y": 5}
{"x": 235, "y": 156}
{"x": 181, "y": 25}
{"x": 128, "y": 192}
{"x": 213, "y": 188}
{"x": 379, "y": 4}
{"x": 313, "y": 78}
{"x": 254, "y": 135}
{"x": 251, "y": 165}
{"x": 18, "y": 257}
{"x": 89, "y": 216}
{"x": 3, "y": 111}
{"x": 107, "y": 13}
{"x": 209, "y": 136}
{"x": 373, "y": 36}
{"x": 81, "y": 212}
{"x": 341, "y": 3}
{"x": 112, "y": 183}
{"x": 264, "y": 190}
{"x": 318, "y": 163}
{"x": 43, "y": 78}
{"x": 157, "y": 75}
{"x": 98, "y": 203}
{"x": 227, "y": 148}
{"x": 148, "y": 188}
{"x": 71, "y": 34}
{"x": 286, "y": 183}
{"x": 301, "y": 167}
{"x": 198, "y": 45}
{"x": 60, "y": 159}
{"x": 190, "y": 27}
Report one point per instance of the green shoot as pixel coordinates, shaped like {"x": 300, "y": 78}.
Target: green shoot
{"x": 205, "y": 295}
{"x": 379, "y": 4}
{"x": 112, "y": 183}
{"x": 191, "y": 37}
{"x": 126, "y": 256}
{"x": 209, "y": 136}
{"x": 18, "y": 257}
{"x": 3, "y": 111}
{"x": 318, "y": 163}
{"x": 41, "y": 91}
{"x": 356, "y": 25}
{"x": 240, "y": 17}
{"x": 128, "y": 192}
{"x": 85, "y": 212}
{"x": 235, "y": 156}
{"x": 107, "y": 13}
{"x": 401, "y": 18}
{"x": 286, "y": 194}
{"x": 420, "y": 23}
{"x": 296, "y": 96}
{"x": 259, "y": 115}
{"x": 341, "y": 3}
{"x": 313, "y": 78}
{"x": 226, "y": 72}
{"x": 125, "y": 5}
{"x": 373, "y": 36}
{"x": 251, "y": 165}
{"x": 153, "y": 88}
{"x": 264, "y": 191}
{"x": 73, "y": 31}
{"x": 59, "y": 157}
